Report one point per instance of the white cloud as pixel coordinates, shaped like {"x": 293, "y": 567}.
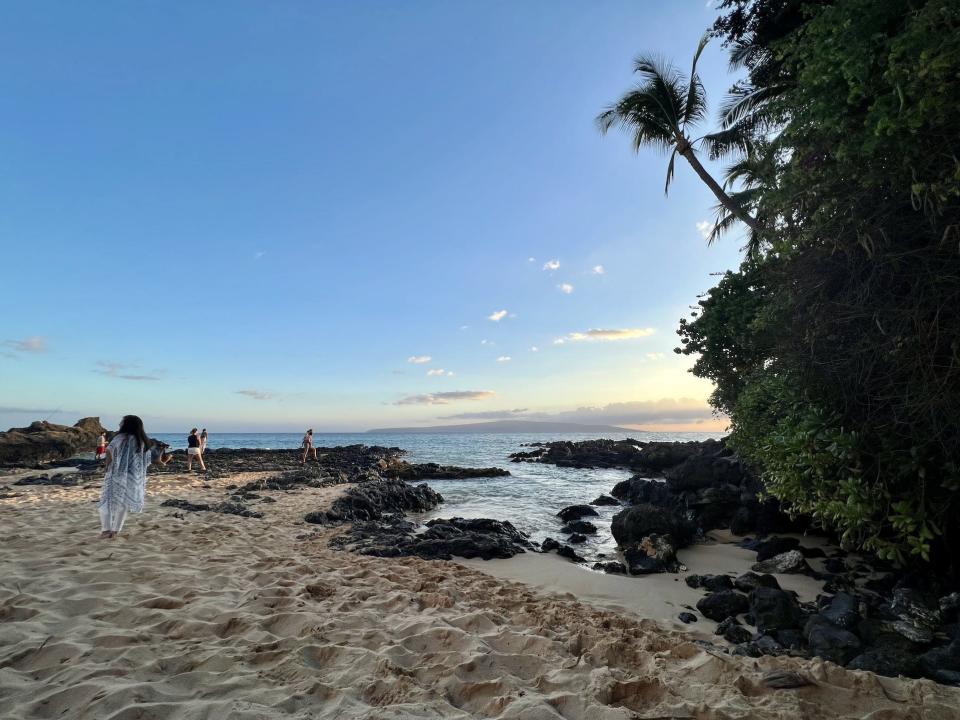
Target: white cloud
{"x": 498, "y": 315}
{"x": 464, "y": 327}
{"x": 534, "y": 349}
{"x": 34, "y": 344}
{"x": 419, "y": 359}
{"x": 606, "y": 335}
{"x": 122, "y": 371}
{"x": 449, "y": 373}
{"x": 445, "y": 398}
{"x": 655, "y": 356}
{"x": 598, "y": 270}
{"x": 565, "y": 288}
{"x": 504, "y": 359}
{"x": 436, "y": 371}
{"x": 256, "y": 394}
{"x": 704, "y": 227}
{"x": 551, "y": 265}
{"x": 487, "y": 342}
{"x": 531, "y": 259}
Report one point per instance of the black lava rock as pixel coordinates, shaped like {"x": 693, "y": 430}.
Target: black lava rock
{"x": 575, "y": 512}
{"x": 829, "y": 642}
{"x": 583, "y": 527}
{"x": 687, "y": 617}
{"x": 721, "y": 605}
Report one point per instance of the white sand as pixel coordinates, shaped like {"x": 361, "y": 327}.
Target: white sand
{"x": 214, "y": 617}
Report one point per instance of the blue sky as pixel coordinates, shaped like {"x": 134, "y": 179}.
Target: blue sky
{"x": 252, "y": 215}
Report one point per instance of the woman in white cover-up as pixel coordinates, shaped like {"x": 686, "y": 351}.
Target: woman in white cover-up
{"x": 125, "y": 483}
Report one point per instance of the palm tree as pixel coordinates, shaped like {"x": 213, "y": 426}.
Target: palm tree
{"x": 753, "y": 172}
{"x": 659, "y": 112}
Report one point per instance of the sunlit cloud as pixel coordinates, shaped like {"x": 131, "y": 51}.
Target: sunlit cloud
{"x": 419, "y": 359}
{"x": 34, "y": 344}
{"x": 605, "y": 335}
{"x": 551, "y": 265}
{"x": 504, "y": 359}
{"x": 497, "y": 316}
{"x": 256, "y": 394}
{"x": 124, "y": 371}
{"x": 598, "y": 270}
{"x": 565, "y": 288}
{"x": 704, "y": 227}
{"x": 437, "y": 372}
{"x": 654, "y": 356}
{"x": 445, "y": 398}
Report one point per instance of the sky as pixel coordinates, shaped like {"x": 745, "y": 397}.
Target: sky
{"x": 263, "y": 216}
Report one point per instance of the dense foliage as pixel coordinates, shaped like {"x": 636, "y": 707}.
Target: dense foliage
{"x": 836, "y": 346}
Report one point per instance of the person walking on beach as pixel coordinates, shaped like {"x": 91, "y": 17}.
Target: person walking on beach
{"x": 203, "y": 441}
{"x": 102, "y": 446}
{"x": 308, "y": 446}
{"x": 125, "y": 480}
{"x": 193, "y": 451}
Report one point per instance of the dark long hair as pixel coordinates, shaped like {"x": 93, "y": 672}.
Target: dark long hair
{"x": 133, "y": 425}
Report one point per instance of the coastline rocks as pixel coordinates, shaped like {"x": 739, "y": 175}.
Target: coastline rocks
{"x": 394, "y": 536}
{"x": 915, "y": 620}
{"x": 653, "y": 554}
{"x": 637, "y": 490}
{"x": 225, "y": 508}
{"x": 713, "y": 583}
{"x": 583, "y": 527}
{"x": 41, "y": 441}
{"x": 687, "y": 617}
{"x": 750, "y": 581}
{"x": 774, "y": 546}
{"x": 605, "y": 500}
{"x": 698, "y": 472}
{"x": 719, "y": 606}
{"x": 373, "y": 500}
{"x": 433, "y": 471}
{"x": 612, "y": 567}
{"x": 773, "y": 609}
{"x": 791, "y": 561}
{"x": 575, "y": 512}
{"x": 637, "y": 522}
{"x": 843, "y": 611}
{"x": 584, "y": 454}
{"x": 829, "y": 642}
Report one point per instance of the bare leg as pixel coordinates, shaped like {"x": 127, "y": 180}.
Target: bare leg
{"x": 202, "y": 466}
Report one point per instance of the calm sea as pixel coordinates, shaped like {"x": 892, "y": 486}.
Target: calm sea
{"x": 529, "y": 498}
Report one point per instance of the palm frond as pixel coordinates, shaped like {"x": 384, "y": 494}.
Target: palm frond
{"x": 745, "y": 101}
{"x": 673, "y": 156}
{"x": 695, "y": 105}
{"x": 725, "y": 142}
{"x": 640, "y": 113}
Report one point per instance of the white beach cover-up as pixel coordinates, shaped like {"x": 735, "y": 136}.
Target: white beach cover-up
{"x": 125, "y": 484}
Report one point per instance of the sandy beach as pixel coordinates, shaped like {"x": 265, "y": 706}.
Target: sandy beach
{"x": 203, "y": 615}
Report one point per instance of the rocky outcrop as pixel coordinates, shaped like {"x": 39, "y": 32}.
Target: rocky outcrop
{"x": 433, "y": 471}
{"x": 42, "y": 441}
{"x": 442, "y": 540}
{"x": 226, "y": 508}
{"x": 374, "y": 500}
{"x": 631, "y": 454}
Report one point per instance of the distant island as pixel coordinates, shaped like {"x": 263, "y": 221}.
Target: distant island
{"x": 506, "y": 426}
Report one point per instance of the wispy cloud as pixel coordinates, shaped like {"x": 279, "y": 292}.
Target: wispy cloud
{"x": 666, "y": 410}
{"x": 259, "y": 254}
{"x": 486, "y": 415}
{"x": 551, "y": 265}
{"x": 534, "y": 349}
{"x": 437, "y": 372}
{"x": 598, "y": 270}
{"x": 419, "y": 359}
{"x": 497, "y": 316}
{"x": 445, "y": 398}
{"x": 124, "y": 371}
{"x": 34, "y": 344}
{"x": 256, "y": 394}
{"x": 655, "y": 356}
{"x": 504, "y": 359}
{"x": 597, "y": 334}
{"x": 704, "y": 227}
{"x": 34, "y": 411}
{"x": 565, "y": 288}
{"x": 487, "y": 342}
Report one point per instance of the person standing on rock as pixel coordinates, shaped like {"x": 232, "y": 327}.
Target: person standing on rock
{"x": 203, "y": 441}
{"x": 125, "y": 481}
{"x": 193, "y": 451}
{"x": 308, "y": 447}
{"x": 102, "y": 446}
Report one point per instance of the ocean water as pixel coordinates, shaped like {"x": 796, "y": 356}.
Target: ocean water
{"x": 529, "y": 498}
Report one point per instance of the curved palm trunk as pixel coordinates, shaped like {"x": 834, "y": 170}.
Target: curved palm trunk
{"x": 725, "y": 200}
